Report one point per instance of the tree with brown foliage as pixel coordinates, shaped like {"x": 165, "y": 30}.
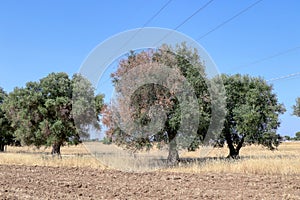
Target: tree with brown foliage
{"x": 161, "y": 97}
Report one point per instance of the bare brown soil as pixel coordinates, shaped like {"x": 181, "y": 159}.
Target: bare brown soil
{"x": 36, "y": 182}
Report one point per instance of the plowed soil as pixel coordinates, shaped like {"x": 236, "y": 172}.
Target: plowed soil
{"x": 36, "y": 182}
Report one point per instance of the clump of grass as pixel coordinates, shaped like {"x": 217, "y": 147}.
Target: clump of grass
{"x": 48, "y": 160}
{"x": 263, "y": 165}
{"x": 115, "y": 157}
{"x": 66, "y": 150}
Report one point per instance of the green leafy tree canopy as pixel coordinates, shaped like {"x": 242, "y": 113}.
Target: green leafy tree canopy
{"x": 6, "y": 136}
{"x": 53, "y": 111}
{"x": 252, "y": 114}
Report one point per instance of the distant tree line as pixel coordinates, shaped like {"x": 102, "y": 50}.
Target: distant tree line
{"x": 296, "y": 138}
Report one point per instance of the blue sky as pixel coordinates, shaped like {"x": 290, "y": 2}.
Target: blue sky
{"x": 40, "y": 37}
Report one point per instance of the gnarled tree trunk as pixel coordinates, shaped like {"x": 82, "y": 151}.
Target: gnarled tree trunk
{"x": 2, "y": 147}
{"x": 234, "y": 151}
{"x": 173, "y": 157}
{"x": 56, "y": 149}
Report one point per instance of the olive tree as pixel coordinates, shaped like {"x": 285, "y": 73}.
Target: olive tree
{"x": 137, "y": 110}
{"x": 6, "y": 136}
{"x": 252, "y": 112}
{"x": 53, "y": 111}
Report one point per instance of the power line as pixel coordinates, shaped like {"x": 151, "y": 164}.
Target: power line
{"x": 148, "y": 22}
{"x": 189, "y": 17}
{"x": 228, "y": 20}
{"x": 185, "y": 21}
{"x": 268, "y": 57}
{"x": 283, "y": 77}
{"x": 139, "y": 30}
{"x": 176, "y": 28}
{"x": 192, "y": 15}
{"x": 157, "y": 13}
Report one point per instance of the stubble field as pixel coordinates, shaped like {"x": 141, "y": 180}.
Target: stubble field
{"x": 29, "y": 173}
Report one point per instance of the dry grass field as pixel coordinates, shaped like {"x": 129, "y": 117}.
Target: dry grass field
{"x": 254, "y": 159}
{"x": 89, "y": 172}
{"x": 73, "y": 156}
